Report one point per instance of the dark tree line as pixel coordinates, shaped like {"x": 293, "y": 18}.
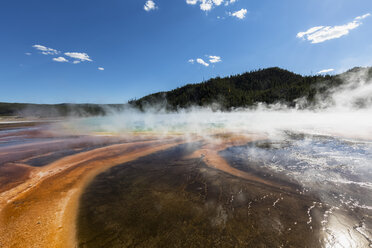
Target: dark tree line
{"x": 268, "y": 86}
{"x": 56, "y": 110}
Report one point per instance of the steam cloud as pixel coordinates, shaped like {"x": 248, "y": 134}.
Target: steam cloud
{"x": 346, "y": 112}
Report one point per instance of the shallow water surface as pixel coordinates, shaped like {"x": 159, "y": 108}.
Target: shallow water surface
{"x": 337, "y": 171}
{"x": 168, "y": 200}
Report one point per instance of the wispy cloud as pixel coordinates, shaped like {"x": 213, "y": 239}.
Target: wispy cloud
{"x": 101, "y": 68}
{"x": 46, "y": 50}
{"x": 150, "y": 5}
{"x": 230, "y": 2}
{"x": 208, "y": 5}
{"x": 76, "y": 57}
{"x": 325, "y": 71}
{"x": 214, "y": 59}
{"x": 28, "y": 54}
{"x": 192, "y": 2}
{"x": 81, "y": 57}
{"x": 240, "y": 14}
{"x": 211, "y": 59}
{"x": 217, "y": 2}
{"x": 60, "y": 59}
{"x": 320, "y": 34}
{"x": 205, "y": 5}
{"x": 202, "y": 62}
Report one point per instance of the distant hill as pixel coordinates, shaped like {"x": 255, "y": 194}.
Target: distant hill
{"x": 269, "y": 86}
{"x": 56, "y": 110}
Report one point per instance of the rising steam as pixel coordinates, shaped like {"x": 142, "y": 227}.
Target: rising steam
{"x": 344, "y": 111}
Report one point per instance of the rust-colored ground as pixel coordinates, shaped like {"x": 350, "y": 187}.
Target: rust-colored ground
{"x": 38, "y": 206}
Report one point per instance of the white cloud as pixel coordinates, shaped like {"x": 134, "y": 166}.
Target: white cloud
{"x": 79, "y": 56}
{"x": 28, "y": 54}
{"x": 205, "y": 5}
{"x": 309, "y": 31}
{"x": 214, "y": 59}
{"x": 46, "y": 50}
{"x": 217, "y": 2}
{"x": 323, "y": 33}
{"x": 211, "y": 58}
{"x": 326, "y": 71}
{"x": 230, "y": 2}
{"x": 202, "y": 62}
{"x": 101, "y": 68}
{"x": 150, "y": 5}
{"x": 60, "y": 59}
{"x": 192, "y": 2}
{"x": 362, "y": 17}
{"x": 240, "y": 14}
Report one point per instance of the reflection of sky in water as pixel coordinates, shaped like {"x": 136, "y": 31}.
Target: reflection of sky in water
{"x": 338, "y": 171}
{"x": 317, "y": 159}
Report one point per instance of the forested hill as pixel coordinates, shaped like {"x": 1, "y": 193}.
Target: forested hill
{"x": 267, "y": 86}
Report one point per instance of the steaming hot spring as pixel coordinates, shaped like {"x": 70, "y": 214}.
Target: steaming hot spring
{"x": 198, "y": 178}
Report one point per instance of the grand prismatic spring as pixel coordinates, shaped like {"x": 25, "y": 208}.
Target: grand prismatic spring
{"x": 192, "y": 179}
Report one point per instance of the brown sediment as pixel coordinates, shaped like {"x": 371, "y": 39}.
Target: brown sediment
{"x": 41, "y": 211}
{"x": 13, "y": 174}
{"x": 35, "y": 148}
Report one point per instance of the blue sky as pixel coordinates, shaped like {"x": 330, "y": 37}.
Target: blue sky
{"x": 114, "y": 50}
